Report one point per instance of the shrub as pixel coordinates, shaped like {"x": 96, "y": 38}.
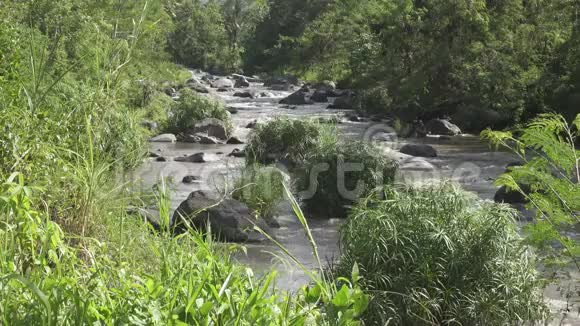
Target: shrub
{"x": 437, "y": 255}
{"x": 374, "y": 100}
{"x": 192, "y": 108}
{"x": 261, "y": 188}
{"x": 339, "y": 173}
{"x": 282, "y": 139}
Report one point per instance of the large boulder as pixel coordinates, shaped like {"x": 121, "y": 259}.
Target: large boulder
{"x": 504, "y": 195}
{"x": 246, "y": 94}
{"x": 325, "y": 86}
{"x": 222, "y": 83}
{"x": 345, "y": 102}
{"x": 319, "y": 96}
{"x": 164, "y": 138}
{"x": 476, "y": 119}
{"x": 201, "y": 138}
{"x": 242, "y": 82}
{"x": 212, "y": 127}
{"x": 198, "y": 158}
{"x": 196, "y": 85}
{"x": 442, "y": 127}
{"x": 420, "y": 150}
{"x": 301, "y": 97}
{"x": 251, "y": 79}
{"x": 229, "y": 219}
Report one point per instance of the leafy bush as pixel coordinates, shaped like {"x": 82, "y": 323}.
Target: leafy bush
{"x": 191, "y": 108}
{"x": 437, "y": 255}
{"x": 338, "y": 174}
{"x": 374, "y": 100}
{"x": 551, "y": 175}
{"x": 282, "y": 139}
{"x": 261, "y": 188}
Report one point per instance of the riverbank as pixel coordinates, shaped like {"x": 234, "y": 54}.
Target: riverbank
{"x": 464, "y": 159}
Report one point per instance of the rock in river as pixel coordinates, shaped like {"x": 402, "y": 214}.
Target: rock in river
{"x": 229, "y": 219}
{"x": 198, "y": 158}
{"x": 212, "y": 127}
{"x": 222, "y": 83}
{"x": 164, "y": 138}
{"x": 442, "y": 127}
{"x": 301, "y": 97}
{"x": 420, "y": 150}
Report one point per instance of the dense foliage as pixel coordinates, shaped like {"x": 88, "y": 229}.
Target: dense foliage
{"x": 192, "y": 108}
{"x": 338, "y": 174}
{"x": 438, "y": 256}
{"x": 483, "y": 63}
{"x": 285, "y": 140}
{"x": 139, "y": 277}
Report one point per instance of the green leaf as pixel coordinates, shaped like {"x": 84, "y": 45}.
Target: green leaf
{"x": 341, "y": 298}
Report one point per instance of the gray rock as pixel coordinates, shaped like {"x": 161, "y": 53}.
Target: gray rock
{"x": 234, "y": 141}
{"x": 353, "y": 118}
{"x": 201, "y": 138}
{"x": 266, "y": 94}
{"x": 222, "y": 83}
{"x": 475, "y": 119}
{"x": 420, "y": 150}
{"x": 244, "y": 94}
{"x": 198, "y": 158}
{"x": 442, "y": 127}
{"x": 298, "y": 98}
{"x": 160, "y": 159}
{"x": 252, "y": 79}
{"x": 197, "y": 86}
{"x": 190, "y": 179}
{"x": 325, "y": 86}
{"x": 252, "y": 124}
{"x": 221, "y": 90}
{"x": 503, "y": 195}
{"x": 232, "y": 110}
{"x": 319, "y": 96}
{"x": 237, "y": 153}
{"x": 229, "y": 219}
{"x": 242, "y": 82}
{"x": 164, "y": 138}
{"x": 212, "y": 127}
{"x": 345, "y": 102}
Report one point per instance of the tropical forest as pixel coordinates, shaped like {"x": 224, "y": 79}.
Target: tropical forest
{"x": 290, "y": 162}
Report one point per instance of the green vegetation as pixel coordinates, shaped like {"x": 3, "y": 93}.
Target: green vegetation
{"x": 436, "y": 255}
{"x": 331, "y": 174}
{"x": 551, "y": 175}
{"x": 192, "y": 108}
{"x": 341, "y": 174}
{"x": 140, "y": 277}
{"x": 84, "y": 83}
{"x": 261, "y": 188}
{"x": 283, "y": 139}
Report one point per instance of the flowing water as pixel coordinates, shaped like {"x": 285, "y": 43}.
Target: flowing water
{"x": 464, "y": 159}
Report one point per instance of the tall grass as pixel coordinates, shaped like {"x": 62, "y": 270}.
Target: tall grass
{"x": 438, "y": 256}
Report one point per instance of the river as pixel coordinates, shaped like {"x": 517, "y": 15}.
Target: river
{"x": 463, "y": 159}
